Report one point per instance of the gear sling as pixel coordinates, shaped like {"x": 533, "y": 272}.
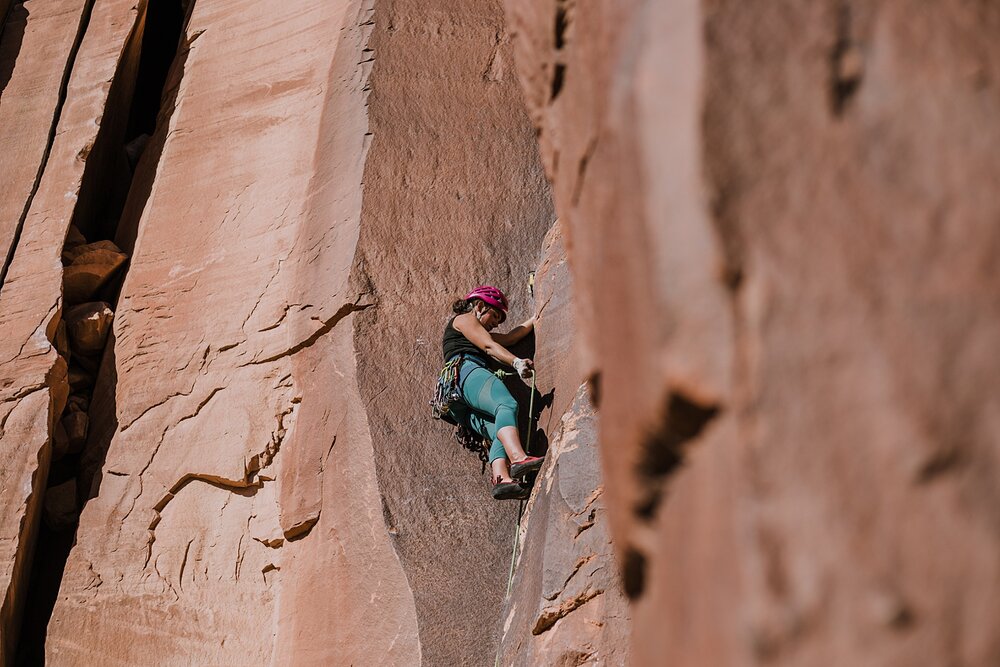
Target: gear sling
{"x": 449, "y": 392}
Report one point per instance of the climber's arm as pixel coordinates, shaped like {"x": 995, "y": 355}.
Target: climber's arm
{"x": 470, "y": 327}
{"x": 516, "y": 334}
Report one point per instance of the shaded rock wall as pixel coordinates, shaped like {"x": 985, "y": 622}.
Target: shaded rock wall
{"x": 30, "y": 97}
{"x": 566, "y": 605}
{"x": 780, "y": 222}
{"x": 454, "y": 196}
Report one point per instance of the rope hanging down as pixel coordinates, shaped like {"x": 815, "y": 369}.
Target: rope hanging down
{"x": 520, "y": 507}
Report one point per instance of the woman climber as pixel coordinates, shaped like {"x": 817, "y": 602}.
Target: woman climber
{"x": 485, "y": 404}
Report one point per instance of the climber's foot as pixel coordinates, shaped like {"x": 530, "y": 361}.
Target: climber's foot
{"x": 524, "y": 466}
{"x": 511, "y": 490}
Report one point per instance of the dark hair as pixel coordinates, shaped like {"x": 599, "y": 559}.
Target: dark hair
{"x": 462, "y": 306}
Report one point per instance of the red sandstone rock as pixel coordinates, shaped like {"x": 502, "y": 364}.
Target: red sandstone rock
{"x": 454, "y": 196}
{"x": 58, "y": 381}
{"x": 25, "y": 421}
{"x": 74, "y": 239}
{"x": 780, "y": 223}
{"x": 60, "y": 441}
{"x": 35, "y": 47}
{"x": 61, "y": 510}
{"x": 61, "y": 341}
{"x": 33, "y": 378}
{"x": 90, "y": 252}
{"x": 75, "y": 424}
{"x": 80, "y": 379}
{"x": 566, "y": 604}
{"x": 78, "y": 403}
{"x": 88, "y": 325}
{"x": 238, "y": 509}
{"x": 241, "y": 461}
{"x": 89, "y": 268}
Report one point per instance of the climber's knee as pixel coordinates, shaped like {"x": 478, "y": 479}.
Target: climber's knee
{"x": 506, "y": 413}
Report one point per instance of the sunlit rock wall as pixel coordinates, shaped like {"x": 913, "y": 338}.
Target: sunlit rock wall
{"x": 781, "y": 222}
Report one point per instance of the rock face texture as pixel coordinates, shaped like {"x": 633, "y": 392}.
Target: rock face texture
{"x": 230, "y": 238}
{"x": 238, "y": 478}
{"x": 566, "y": 605}
{"x": 30, "y": 100}
{"x": 233, "y": 244}
{"x": 34, "y": 378}
{"x": 454, "y": 197}
{"x": 781, "y": 221}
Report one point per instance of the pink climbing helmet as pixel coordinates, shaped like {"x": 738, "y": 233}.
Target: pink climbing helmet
{"x": 492, "y": 296}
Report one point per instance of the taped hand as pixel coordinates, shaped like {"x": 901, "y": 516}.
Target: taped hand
{"x": 524, "y": 367}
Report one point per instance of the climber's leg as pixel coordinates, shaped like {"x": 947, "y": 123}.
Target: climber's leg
{"x": 488, "y": 396}
{"x": 510, "y": 443}
{"x": 507, "y": 440}
{"x": 493, "y": 413}
{"x": 481, "y": 424}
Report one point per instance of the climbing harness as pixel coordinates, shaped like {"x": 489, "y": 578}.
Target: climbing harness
{"x": 449, "y": 392}
{"x": 475, "y": 443}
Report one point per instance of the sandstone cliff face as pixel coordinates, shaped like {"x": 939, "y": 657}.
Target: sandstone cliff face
{"x": 454, "y": 196}
{"x": 229, "y": 367}
{"x": 31, "y": 89}
{"x": 780, "y": 223}
{"x": 781, "y": 330}
{"x": 34, "y": 378}
{"x": 566, "y": 606}
{"x": 237, "y": 479}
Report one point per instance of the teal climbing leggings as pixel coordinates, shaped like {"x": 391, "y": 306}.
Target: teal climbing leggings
{"x": 488, "y": 405}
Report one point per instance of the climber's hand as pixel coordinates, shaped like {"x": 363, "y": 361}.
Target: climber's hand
{"x": 524, "y": 367}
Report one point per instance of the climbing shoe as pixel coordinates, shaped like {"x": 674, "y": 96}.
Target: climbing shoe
{"x": 522, "y": 468}
{"x": 510, "y": 491}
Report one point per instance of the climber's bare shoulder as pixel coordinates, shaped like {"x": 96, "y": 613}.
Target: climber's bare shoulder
{"x": 467, "y": 325}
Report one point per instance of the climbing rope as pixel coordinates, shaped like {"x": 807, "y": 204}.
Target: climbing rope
{"x": 501, "y": 373}
{"x": 520, "y": 507}
{"x": 531, "y": 413}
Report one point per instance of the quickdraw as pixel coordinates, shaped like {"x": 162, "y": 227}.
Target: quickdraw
{"x": 448, "y": 390}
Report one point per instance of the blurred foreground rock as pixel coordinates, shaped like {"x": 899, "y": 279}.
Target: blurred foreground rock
{"x": 781, "y": 220}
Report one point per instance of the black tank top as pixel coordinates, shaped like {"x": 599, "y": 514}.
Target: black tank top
{"x": 455, "y": 343}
